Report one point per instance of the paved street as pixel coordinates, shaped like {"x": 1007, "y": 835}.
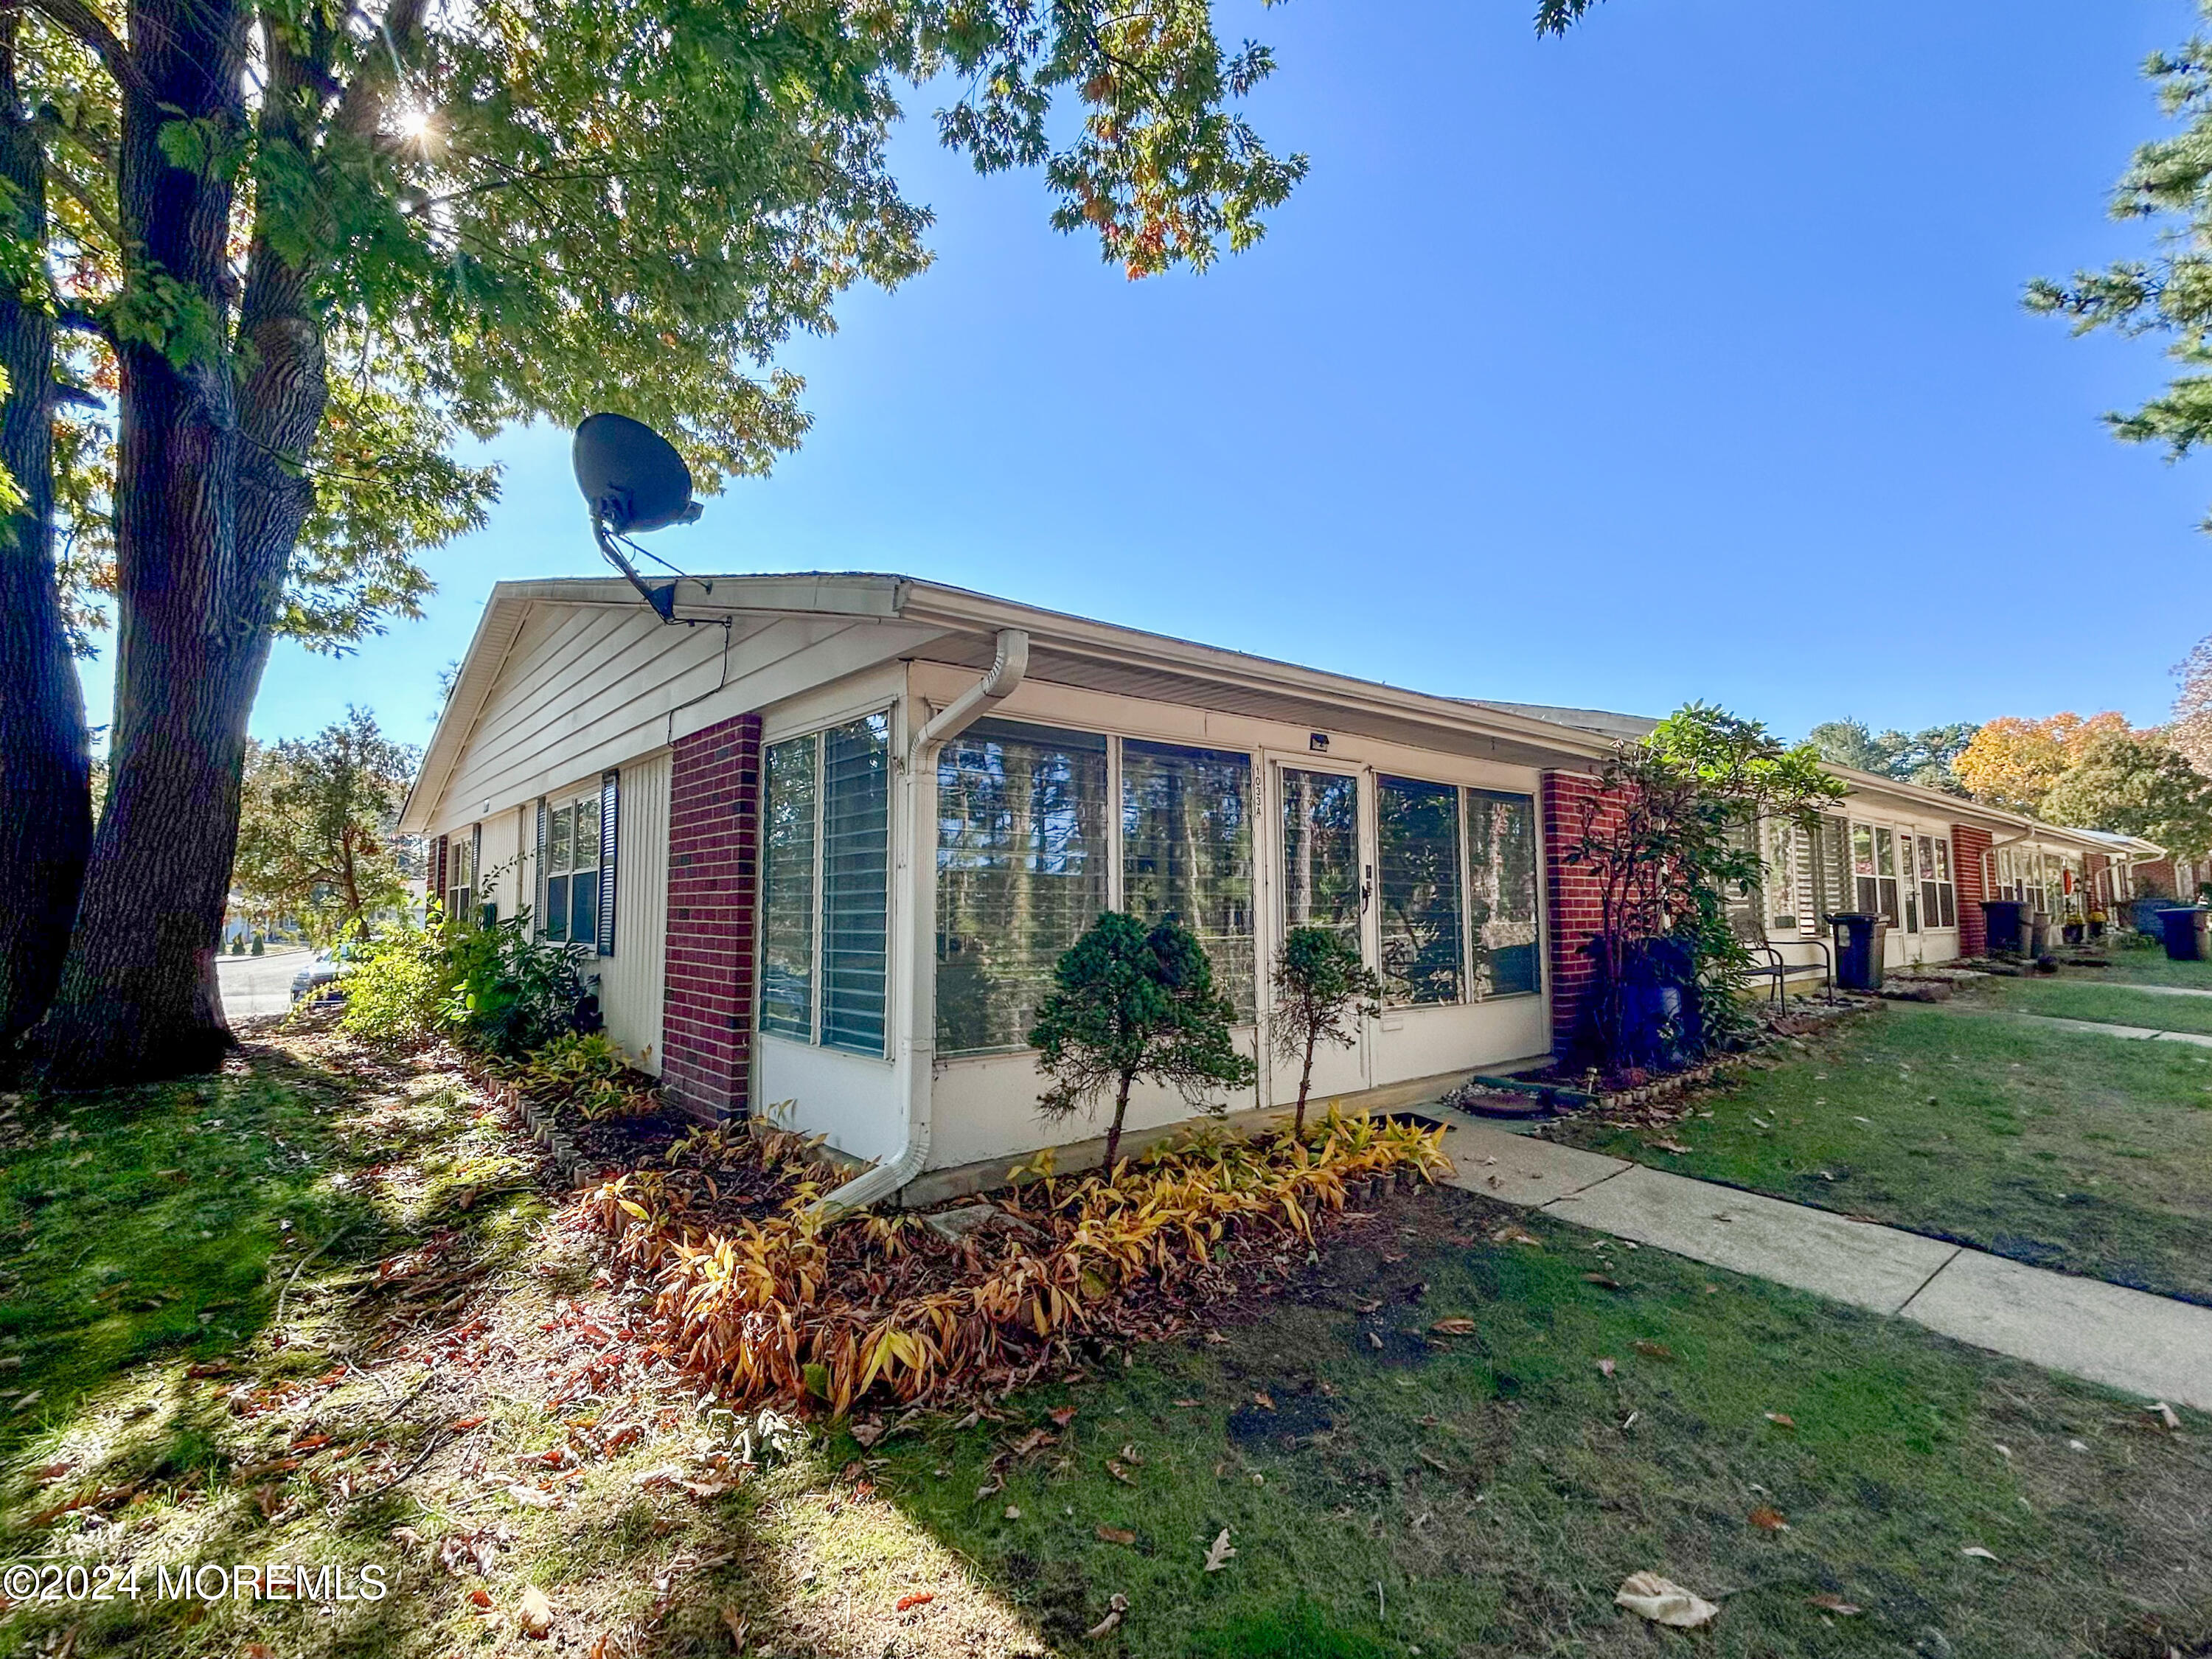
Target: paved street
{"x": 254, "y": 986}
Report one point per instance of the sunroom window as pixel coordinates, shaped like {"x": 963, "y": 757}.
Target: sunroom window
{"x": 1417, "y": 887}
{"x": 826, "y": 886}
{"x": 1321, "y": 851}
{"x": 1187, "y": 852}
{"x": 1022, "y": 868}
{"x": 1501, "y": 874}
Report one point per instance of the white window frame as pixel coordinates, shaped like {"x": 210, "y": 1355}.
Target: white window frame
{"x": 567, "y": 802}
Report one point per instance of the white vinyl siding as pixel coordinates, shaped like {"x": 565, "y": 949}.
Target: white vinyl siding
{"x": 633, "y": 979}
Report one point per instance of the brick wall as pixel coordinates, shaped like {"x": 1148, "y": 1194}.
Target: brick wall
{"x": 1969, "y": 866}
{"x": 714, "y": 813}
{"x": 1571, "y": 893}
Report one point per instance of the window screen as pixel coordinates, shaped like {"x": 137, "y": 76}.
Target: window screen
{"x": 787, "y": 896}
{"x": 1501, "y": 874}
{"x": 1947, "y": 902}
{"x": 855, "y": 882}
{"x": 1869, "y": 893}
{"x": 1884, "y": 858}
{"x": 1321, "y": 851}
{"x": 1418, "y": 882}
{"x": 1187, "y": 852}
{"x": 1022, "y": 863}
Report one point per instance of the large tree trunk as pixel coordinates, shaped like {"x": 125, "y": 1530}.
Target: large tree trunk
{"x": 210, "y": 498}
{"x": 137, "y": 997}
{"x": 46, "y": 795}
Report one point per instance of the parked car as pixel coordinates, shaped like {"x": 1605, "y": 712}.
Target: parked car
{"x": 319, "y": 980}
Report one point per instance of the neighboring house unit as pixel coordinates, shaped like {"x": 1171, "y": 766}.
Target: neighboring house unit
{"x": 826, "y": 839}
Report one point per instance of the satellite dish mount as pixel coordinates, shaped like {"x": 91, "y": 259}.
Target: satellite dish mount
{"x": 633, "y": 481}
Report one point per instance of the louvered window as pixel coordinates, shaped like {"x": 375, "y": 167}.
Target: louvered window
{"x": 1187, "y": 852}
{"x": 1022, "y": 868}
{"x": 826, "y": 907}
{"x": 787, "y": 995}
{"x": 1321, "y": 851}
{"x": 1501, "y": 871}
{"x": 1418, "y": 885}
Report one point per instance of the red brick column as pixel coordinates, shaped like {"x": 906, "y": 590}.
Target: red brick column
{"x": 714, "y": 819}
{"x": 1970, "y": 850}
{"x": 1570, "y": 893}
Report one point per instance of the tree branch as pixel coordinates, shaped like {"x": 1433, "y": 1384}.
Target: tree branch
{"x": 77, "y": 18}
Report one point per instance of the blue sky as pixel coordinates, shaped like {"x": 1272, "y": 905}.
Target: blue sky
{"x": 1678, "y": 358}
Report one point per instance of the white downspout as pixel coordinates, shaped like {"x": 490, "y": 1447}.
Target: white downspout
{"x": 918, "y": 936}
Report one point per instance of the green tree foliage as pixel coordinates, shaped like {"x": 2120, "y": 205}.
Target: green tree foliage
{"x": 2137, "y": 783}
{"x": 1323, "y": 988}
{"x": 298, "y": 252}
{"x": 1129, "y": 1003}
{"x": 1671, "y": 836}
{"x": 316, "y": 826}
{"x": 2169, "y": 294}
{"x": 1927, "y": 757}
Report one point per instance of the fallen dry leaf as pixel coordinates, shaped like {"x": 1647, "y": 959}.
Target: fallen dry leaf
{"x": 530, "y": 1498}
{"x": 1606, "y": 1367}
{"x": 534, "y": 1613}
{"x": 1117, "y": 1535}
{"x": 1265, "y": 1402}
{"x": 1061, "y": 1416}
{"x": 1116, "y": 1605}
{"x": 1119, "y": 1474}
{"x": 1013, "y": 1511}
{"x": 2166, "y": 1415}
{"x": 866, "y": 1434}
{"x": 740, "y": 1628}
{"x": 1668, "y": 1146}
{"x": 1601, "y": 1281}
{"x": 1663, "y": 1601}
{"x": 1186, "y": 1402}
{"x": 1456, "y": 1326}
{"x": 1218, "y": 1552}
{"x": 1782, "y": 1419}
{"x": 480, "y": 1596}
{"x": 1977, "y": 1551}
{"x": 918, "y": 1599}
{"x": 1837, "y": 1605}
{"x": 1767, "y": 1518}
{"x": 1654, "y": 1350}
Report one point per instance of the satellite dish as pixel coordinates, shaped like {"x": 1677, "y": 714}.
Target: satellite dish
{"x": 632, "y": 476}
{"x": 634, "y": 481}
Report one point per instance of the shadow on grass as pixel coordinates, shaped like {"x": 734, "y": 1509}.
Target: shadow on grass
{"x": 1385, "y": 1485}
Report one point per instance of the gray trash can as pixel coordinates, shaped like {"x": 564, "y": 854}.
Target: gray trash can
{"x": 2038, "y": 933}
{"x": 1861, "y": 938}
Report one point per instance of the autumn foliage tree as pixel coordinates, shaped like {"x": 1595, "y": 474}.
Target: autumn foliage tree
{"x": 315, "y": 827}
{"x": 2013, "y": 762}
{"x": 2137, "y": 783}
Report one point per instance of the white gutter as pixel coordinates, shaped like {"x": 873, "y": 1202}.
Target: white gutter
{"x": 1007, "y": 667}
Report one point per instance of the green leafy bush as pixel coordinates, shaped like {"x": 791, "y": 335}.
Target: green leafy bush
{"x": 397, "y": 989}
{"x": 512, "y": 993}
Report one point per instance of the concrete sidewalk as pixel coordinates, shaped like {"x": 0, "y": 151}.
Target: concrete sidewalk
{"x": 2127, "y": 1340}
{"x": 2129, "y": 1033}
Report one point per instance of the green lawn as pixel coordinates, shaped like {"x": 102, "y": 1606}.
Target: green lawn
{"x": 2146, "y": 967}
{"x": 2107, "y": 1002}
{"x": 1488, "y": 1494}
{"x": 2066, "y": 1150}
{"x": 460, "y": 1392}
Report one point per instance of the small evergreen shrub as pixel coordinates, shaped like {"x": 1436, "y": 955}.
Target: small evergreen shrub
{"x": 257, "y": 945}
{"x": 513, "y": 993}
